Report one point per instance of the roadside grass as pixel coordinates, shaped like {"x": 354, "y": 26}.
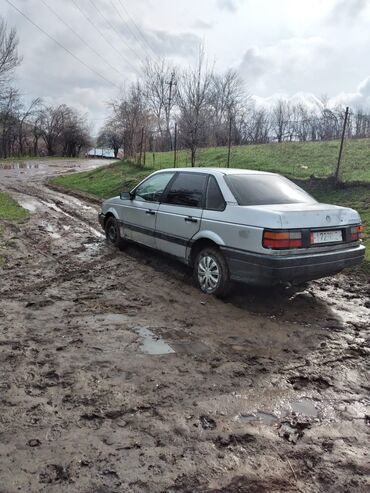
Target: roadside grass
{"x": 105, "y": 181}
{"x": 10, "y": 210}
{"x": 293, "y": 159}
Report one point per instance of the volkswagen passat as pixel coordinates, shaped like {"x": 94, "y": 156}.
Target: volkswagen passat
{"x": 236, "y": 225}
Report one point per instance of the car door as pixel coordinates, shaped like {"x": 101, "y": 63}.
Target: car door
{"x": 180, "y": 212}
{"x": 138, "y": 215}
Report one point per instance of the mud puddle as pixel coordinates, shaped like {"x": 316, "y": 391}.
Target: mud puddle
{"x": 304, "y": 407}
{"x": 19, "y": 165}
{"x": 260, "y": 417}
{"x": 151, "y": 343}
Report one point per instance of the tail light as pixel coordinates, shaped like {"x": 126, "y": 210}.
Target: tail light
{"x": 357, "y": 232}
{"x": 282, "y": 239}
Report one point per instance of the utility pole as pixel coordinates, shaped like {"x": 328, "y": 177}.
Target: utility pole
{"x": 141, "y": 145}
{"x": 229, "y": 143}
{"x": 171, "y": 83}
{"x": 336, "y": 177}
{"x": 175, "y": 147}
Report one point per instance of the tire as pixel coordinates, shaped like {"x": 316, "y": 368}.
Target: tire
{"x": 112, "y": 233}
{"x": 210, "y": 260}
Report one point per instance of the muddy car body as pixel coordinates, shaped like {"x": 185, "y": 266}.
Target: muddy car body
{"x": 236, "y": 225}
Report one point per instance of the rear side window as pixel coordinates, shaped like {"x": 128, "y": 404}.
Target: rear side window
{"x": 214, "y": 197}
{"x": 187, "y": 189}
{"x": 266, "y": 190}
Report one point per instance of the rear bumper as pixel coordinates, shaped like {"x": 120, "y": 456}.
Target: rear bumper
{"x": 254, "y": 268}
{"x": 101, "y": 218}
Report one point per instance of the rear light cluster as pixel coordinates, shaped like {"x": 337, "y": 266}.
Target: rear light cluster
{"x": 357, "y": 232}
{"x": 282, "y": 239}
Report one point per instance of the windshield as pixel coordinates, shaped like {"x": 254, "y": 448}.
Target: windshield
{"x": 266, "y": 190}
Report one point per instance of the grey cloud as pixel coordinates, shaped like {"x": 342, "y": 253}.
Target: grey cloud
{"x": 182, "y": 44}
{"x": 358, "y": 99}
{"x": 200, "y": 24}
{"x": 230, "y": 5}
{"x": 253, "y": 64}
{"x": 344, "y": 10}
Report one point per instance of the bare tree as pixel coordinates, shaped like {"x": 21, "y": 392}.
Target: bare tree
{"x": 9, "y": 58}
{"x": 23, "y": 122}
{"x": 193, "y": 98}
{"x": 160, "y": 89}
{"x": 75, "y": 133}
{"x": 9, "y": 109}
{"x": 281, "y": 114}
{"x": 131, "y": 113}
{"x": 111, "y": 136}
{"x": 227, "y": 99}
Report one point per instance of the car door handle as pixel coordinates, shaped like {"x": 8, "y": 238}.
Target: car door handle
{"x": 152, "y": 213}
{"x": 191, "y": 220}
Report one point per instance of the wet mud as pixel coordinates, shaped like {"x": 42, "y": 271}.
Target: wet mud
{"x": 118, "y": 375}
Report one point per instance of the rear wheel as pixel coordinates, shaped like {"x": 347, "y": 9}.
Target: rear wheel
{"x": 211, "y": 272}
{"x": 112, "y": 232}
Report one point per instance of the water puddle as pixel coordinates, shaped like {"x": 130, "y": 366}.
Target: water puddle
{"x": 29, "y": 204}
{"x": 152, "y": 344}
{"x": 304, "y": 407}
{"x": 298, "y": 409}
{"x": 191, "y": 347}
{"x": 259, "y": 417}
{"x": 91, "y": 251}
{"x": 113, "y": 318}
{"x": 51, "y": 230}
{"x": 19, "y": 165}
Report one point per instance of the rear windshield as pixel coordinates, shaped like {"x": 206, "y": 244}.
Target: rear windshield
{"x": 266, "y": 190}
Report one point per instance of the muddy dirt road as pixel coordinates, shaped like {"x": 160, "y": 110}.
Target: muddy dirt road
{"x": 117, "y": 375}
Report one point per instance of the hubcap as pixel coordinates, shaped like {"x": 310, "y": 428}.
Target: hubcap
{"x": 208, "y": 273}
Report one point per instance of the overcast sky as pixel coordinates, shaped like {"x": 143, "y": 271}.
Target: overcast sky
{"x": 293, "y": 48}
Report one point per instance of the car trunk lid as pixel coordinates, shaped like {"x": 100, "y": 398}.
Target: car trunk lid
{"x": 315, "y": 215}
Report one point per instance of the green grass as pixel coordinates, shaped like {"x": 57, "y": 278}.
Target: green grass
{"x": 10, "y": 210}
{"x": 298, "y": 160}
{"x": 105, "y": 181}
{"x": 293, "y": 159}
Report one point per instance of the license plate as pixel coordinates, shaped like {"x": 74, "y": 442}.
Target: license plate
{"x": 326, "y": 236}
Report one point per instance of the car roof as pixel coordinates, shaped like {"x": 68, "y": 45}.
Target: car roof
{"x": 223, "y": 171}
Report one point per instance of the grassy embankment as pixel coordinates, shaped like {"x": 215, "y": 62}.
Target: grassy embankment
{"x": 296, "y": 160}
{"x": 9, "y": 211}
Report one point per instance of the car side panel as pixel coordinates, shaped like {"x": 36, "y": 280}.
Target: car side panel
{"x": 137, "y": 221}
{"x": 175, "y": 227}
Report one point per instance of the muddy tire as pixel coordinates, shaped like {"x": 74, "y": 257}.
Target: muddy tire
{"x": 211, "y": 272}
{"x": 112, "y": 233}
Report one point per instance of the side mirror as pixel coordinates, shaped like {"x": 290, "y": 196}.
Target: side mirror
{"x": 126, "y": 196}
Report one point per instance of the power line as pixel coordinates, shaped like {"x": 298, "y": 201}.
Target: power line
{"x": 134, "y": 35}
{"x": 60, "y": 44}
{"x": 115, "y": 30}
{"x": 81, "y": 38}
{"x": 137, "y": 27}
{"x": 104, "y": 37}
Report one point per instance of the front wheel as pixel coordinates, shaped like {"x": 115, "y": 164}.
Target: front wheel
{"x": 112, "y": 232}
{"x": 211, "y": 272}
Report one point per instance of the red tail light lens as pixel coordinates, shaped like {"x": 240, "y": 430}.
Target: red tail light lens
{"x": 278, "y": 240}
{"x": 357, "y": 232}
